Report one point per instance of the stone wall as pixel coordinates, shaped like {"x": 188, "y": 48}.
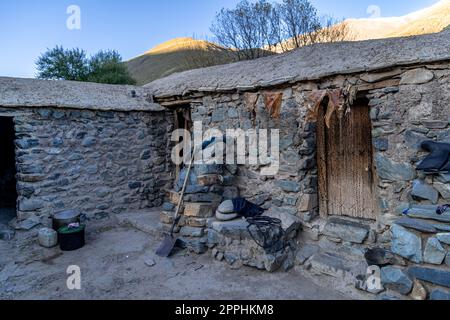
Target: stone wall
{"x": 407, "y": 106}
{"x": 99, "y": 162}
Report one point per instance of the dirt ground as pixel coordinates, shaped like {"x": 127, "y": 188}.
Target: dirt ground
{"x": 116, "y": 264}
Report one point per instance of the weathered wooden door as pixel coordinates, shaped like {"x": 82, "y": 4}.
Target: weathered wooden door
{"x": 345, "y": 164}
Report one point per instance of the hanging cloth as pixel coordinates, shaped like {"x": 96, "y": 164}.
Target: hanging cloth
{"x": 273, "y": 101}
{"x": 439, "y": 158}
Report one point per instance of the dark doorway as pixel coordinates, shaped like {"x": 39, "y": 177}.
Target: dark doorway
{"x": 345, "y": 163}
{"x": 8, "y": 192}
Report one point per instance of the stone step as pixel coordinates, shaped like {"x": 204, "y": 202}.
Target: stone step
{"x": 148, "y": 221}
{"x": 329, "y": 264}
{"x": 346, "y": 230}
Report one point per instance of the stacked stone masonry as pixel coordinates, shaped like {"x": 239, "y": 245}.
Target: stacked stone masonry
{"x": 408, "y": 105}
{"x": 100, "y": 162}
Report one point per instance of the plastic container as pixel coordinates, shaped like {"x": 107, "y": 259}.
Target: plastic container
{"x": 71, "y": 239}
{"x": 48, "y": 238}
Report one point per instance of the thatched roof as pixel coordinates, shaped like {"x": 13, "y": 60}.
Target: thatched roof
{"x": 16, "y": 92}
{"x": 308, "y": 63}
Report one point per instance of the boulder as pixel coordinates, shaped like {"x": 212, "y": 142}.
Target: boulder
{"x": 346, "y": 230}
{"x": 416, "y": 225}
{"x": 406, "y": 244}
{"x": 424, "y": 191}
{"x": 434, "y": 253}
{"x": 236, "y": 229}
{"x": 396, "y": 280}
{"x": 435, "y": 276}
{"x": 447, "y": 259}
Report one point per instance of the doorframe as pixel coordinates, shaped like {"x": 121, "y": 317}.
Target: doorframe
{"x": 14, "y": 149}
{"x": 322, "y": 169}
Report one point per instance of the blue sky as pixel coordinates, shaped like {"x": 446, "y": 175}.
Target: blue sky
{"x": 132, "y": 27}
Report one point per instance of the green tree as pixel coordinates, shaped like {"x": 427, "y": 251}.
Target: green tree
{"x": 107, "y": 67}
{"x": 61, "y": 64}
{"x": 73, "y": 64}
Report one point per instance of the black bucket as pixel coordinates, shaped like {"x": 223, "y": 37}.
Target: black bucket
{"x": 71, "y": 239}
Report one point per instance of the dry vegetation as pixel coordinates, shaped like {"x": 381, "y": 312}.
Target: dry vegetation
{"x": 186, "y": 53}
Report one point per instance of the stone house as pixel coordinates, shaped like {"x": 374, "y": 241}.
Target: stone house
{"x": 351, "y": 116}
{"x": 352, "y": 119}
{"x": 98, "y": 148}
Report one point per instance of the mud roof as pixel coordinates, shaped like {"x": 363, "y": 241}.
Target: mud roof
{"x": 18, "y": 92}
{"x": 308, "y": 63}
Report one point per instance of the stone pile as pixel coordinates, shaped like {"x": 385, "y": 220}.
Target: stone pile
{"x": 207, "y": 186}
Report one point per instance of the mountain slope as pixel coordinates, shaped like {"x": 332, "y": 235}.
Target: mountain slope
{"x": 176, "y": 55}
{"x": 428, "y": 20}
{"x": 183, "y": 54}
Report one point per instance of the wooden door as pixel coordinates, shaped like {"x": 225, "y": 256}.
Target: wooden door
{"x": 345, "y": 164}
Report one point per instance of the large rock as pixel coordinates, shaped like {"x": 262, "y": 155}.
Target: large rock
{"x": 444, "y": 237}
{"x": 435, "y": 276}
{"x": 417, "y": 76}
{"x": 289, "y": 222}
{"x": 396, "y": 280}
{"x": 236, "y": 229}
{"x": 427, "y": 212}
{"x": 424, "y": 191}
{"x": 393, "y": 171}
{"x": 416, "y": 225}
{"x": 346, "y": 230}
{"x": 406, "y": 244}
{"x": 434, "y": 253}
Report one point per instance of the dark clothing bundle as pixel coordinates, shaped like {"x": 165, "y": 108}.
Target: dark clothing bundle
{"x": 246, "y": 208}
{"x": 439, "y": 158}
